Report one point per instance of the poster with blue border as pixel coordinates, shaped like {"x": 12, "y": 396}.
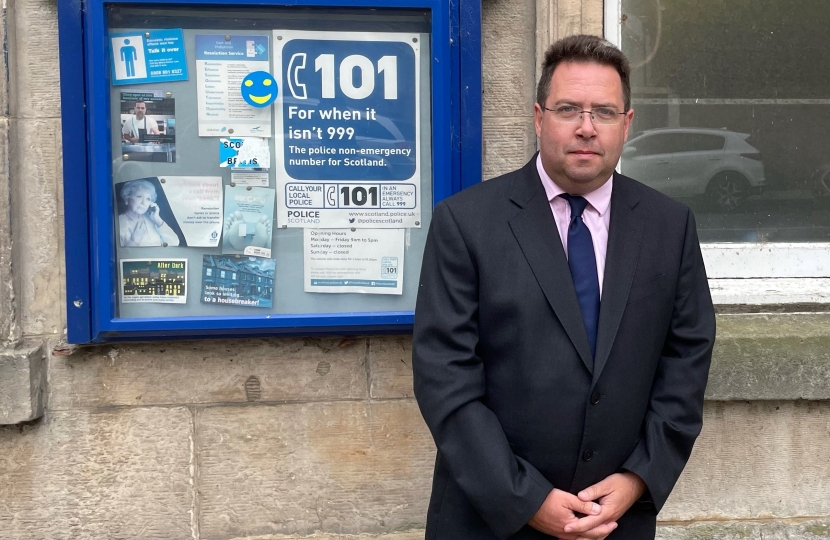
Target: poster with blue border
{"x": 347, "y": 134}
{"x": 149, "y": 56}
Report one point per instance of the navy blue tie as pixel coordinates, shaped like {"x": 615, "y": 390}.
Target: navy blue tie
{"x": 583, "y": 265}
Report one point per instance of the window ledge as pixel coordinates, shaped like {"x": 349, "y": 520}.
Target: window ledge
{"x": 771, "y": 357}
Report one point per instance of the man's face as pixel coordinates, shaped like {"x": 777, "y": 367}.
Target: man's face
{"x": 140, "y": 109}
{"x": 580, "y": 157}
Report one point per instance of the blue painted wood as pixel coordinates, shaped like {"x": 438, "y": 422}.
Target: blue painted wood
{"x": 471, "y": 92}
{"x": 75, "y": 208}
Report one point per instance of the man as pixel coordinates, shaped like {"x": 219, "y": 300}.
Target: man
{"x": 563, "y": 330}
{"x": 138, "y": 125}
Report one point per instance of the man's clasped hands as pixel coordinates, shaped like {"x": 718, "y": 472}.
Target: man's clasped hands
{"x": 593, "y": 512}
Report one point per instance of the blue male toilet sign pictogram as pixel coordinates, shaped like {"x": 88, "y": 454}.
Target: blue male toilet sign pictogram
{"x": 128, "y": 56}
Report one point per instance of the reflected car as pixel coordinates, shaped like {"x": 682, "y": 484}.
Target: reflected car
{"x": 692, "y": 162}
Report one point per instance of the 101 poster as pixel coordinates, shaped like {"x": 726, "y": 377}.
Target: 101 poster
{"x": 348, "y": 129}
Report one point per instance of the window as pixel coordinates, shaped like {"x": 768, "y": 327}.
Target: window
{"x": 732, "y": 116}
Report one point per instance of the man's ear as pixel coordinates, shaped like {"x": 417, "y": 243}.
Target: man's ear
{"x": 629, "y": 118}
{"x": 538, "y": 117}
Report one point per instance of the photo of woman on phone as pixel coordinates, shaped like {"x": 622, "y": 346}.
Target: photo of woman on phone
{"x": 140, "y": 225}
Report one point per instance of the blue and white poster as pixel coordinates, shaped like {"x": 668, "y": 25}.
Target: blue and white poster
{"x": 347, "y": 129}
{"x": 222, "y": 63}
{"x": 244, "y": 153}
{"x": 150, "y": 56}
{"x": 249, "y": 216}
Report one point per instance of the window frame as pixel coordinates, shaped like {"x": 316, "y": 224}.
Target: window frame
{"x": 753, "y": 273}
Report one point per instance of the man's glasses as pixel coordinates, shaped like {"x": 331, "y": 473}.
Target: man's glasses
{"x": 605, "y": 116}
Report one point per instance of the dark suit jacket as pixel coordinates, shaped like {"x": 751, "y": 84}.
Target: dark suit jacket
{"x": 503, "y": 372}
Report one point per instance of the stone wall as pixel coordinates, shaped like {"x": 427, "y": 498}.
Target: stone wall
{"x": 320, "y": 437}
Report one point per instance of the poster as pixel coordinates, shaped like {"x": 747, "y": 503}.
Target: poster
{"x": 361, "y": 261}
{"x": 244, "y": 153}
{"x": 154, "y": 281}
{"x": 249, "y": 217}
{"x": 347, "y": 146}
{"x": 238, "y": 281}
{"x": 169, "y": 211}
{"x": 221, "y": 64}
{"x": 149, "y": 56}
{"x": 148, "y": 126}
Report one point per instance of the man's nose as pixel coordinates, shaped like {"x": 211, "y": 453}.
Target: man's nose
{"x": 586, "y": 126}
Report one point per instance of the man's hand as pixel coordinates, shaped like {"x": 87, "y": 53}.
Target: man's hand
{"x": 559, "y": 511}
{"x": 615, "y": 495}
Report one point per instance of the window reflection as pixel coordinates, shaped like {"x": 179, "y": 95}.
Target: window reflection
{"x": 732, "y": 113}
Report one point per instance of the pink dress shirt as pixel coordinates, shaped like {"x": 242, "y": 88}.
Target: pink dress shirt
{"x": 597, "y": 215}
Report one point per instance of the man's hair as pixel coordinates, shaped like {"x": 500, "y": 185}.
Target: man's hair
{"x": 134, "y": 186}
{"x": 584, "y": 48}
{"x": 140, "y": 101}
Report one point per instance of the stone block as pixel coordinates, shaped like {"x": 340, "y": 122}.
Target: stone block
{"x": 33, "y": 59}
{"x": 34, "y": 174}
{"x": 757, "y": 357}
{"x": 568, "y": 17}
{"x": 22, "y": 383}
{"x": 390, "y": 367}
{"x": 118, "y": 475}
{"x": 508, "y": 57}
{"x": 408, "y": 535}
{"x": 761, "y": 460}
{"x": 10, "y": 330}
{"x": 576, "y": 17}
{"x": 4, "y": 67}
{"x": 508, "y": 144}
{"x": 809, "y": 530}
{"x": 771, "y": 357}
{"x": 210, "y": 371}
{"x": 592, "y": 17}
{"x": 339, "y": 468}
{"x": 61, "y": 222}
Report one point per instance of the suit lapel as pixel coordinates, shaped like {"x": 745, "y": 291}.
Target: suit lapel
{"x": 537, "y": 235}
{"x": 624, "y": 237}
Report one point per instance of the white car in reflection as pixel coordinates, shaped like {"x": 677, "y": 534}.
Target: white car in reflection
{"x": 690, "y": 162}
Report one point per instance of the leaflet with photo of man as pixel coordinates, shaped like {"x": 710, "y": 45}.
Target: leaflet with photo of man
{"x": 148, "y": 126}
{"x": 169, "y": 211}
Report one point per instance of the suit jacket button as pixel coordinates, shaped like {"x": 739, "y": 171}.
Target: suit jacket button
{"x": 588, "y": 455}
{"x": 595, "y": 397}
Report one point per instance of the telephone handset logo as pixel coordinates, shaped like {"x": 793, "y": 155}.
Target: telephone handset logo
{"x": 294, "y": 84}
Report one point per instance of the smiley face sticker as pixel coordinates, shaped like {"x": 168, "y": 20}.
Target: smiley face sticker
{"x": 259, "y": 89}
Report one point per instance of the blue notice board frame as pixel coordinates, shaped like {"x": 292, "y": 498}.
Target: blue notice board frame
{"x": 90, "y": 253}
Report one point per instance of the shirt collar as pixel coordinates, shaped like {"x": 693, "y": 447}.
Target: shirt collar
{"x": 599, "y": 199}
